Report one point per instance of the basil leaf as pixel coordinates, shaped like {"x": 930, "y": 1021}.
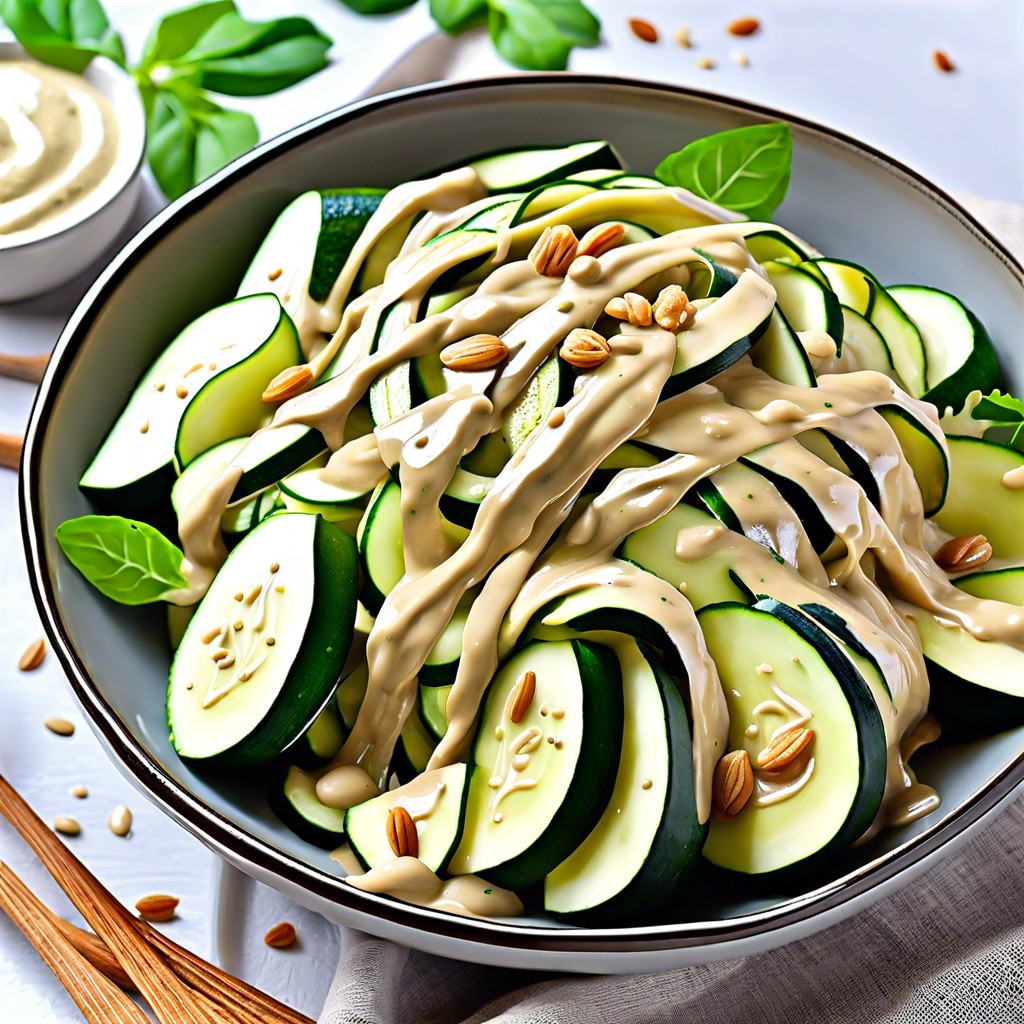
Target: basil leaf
{"x": 127, "y": 561}
{"x": 456, "y": 15}
{"x": 174, "y": 35}
{"x": 744, "y": 169}
{"x": 64, "y": 33}
{"x": 377, "y": 6}
{"x": 540, "y": 36}
{"x": 232, "y": 36}
{"x": 1004, "y": 410}
{"x": 220, "y": 137}
{"x": 275, "y": 67}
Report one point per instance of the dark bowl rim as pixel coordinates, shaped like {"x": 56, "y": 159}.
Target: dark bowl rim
{"x": 237, "y": 845}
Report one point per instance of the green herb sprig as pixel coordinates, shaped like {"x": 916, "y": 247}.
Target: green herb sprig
{"x": 189, "y": 54}
{"x": 743, "y": 169}
{"x": 1003, "y": 411}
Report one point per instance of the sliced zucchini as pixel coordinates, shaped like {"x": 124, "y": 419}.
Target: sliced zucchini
{"x": 532, "y": 799}
{"x": 436, "y": 802}
{"x": 639, "y": 854}
{"x": 902, "y": 338}
{"x": 977, "y": 686}
{"x": 320, "y": 742}
{"x": 958, "y": 352}
{"x": 848, "y": 280}
{"x": 442, "y": 662}
{"x": 522, "y": 169}
{"x": 433, "y": 708}
{"x": 307, "y": 490}
{"x": 237, "y": 518}
{"x": 416, "y": 745}
{"x": 924, "y": 452}
{"x": 1005, "y": 584}
{"x": 707, "y": 581}
{"x": 775, "y": 680}
{"x": 246, "y": 342}
{"x": 295, "y": 802}
{"x": 281, "y": 609}
{"x": 547, "y": 388}
{"x": 779, "y": 353}
{"x": 774, "y": 245}
{"x": 864, "y": 348}
{"x": 350, "y": 693}
{"x": 807, "y": 303}
{"x": 978, "y": 501}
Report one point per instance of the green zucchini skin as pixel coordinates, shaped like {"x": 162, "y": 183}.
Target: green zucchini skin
{"x": 315, "y": 670}
{"x": 969, "y": 710}
{"x": 328, "y": 833}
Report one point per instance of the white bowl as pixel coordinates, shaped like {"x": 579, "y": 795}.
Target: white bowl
{"x": 37, "y": 261}
{"x": 846, "y": 198}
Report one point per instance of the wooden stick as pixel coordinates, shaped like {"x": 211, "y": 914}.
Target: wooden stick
{"x": 10, "y": 450}
{"x": 30, "y": 368}
{"x": 233, "y": 995}
{"x": 99, "y": 999}
{"x": 170, "y": 999}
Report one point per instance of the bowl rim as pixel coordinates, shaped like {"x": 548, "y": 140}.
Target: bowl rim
{"x": 114, "y": 83}
{"x": 235, "y": 844}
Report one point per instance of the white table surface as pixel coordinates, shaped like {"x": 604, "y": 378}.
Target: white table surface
{"x": 863, "y": 67}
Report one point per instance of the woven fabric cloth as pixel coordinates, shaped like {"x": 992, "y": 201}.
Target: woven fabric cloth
{"x": 948, "y": 948}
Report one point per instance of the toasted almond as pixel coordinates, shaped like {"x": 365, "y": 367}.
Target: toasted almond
{"x": 601, "y": 239}
{"x": 521, "y": 697}
{"x": 281, "y": 935}
{"x": 120, "y": 820}
{"x": 553, "y": 253}
{"x": 672, "y": 309}
{"x": 480, "y": 352}
{"x": 731, "y": 785}
{"x": 157, "y": 907}
{"x": 287, "y": 384}
{"x": 743, "y": 26}
{"x": 66, "y": 826}
{"x": 784, "y": 748}
{"x": 962, "y": 553}
{"x": 643, "y": 30}
{"x": 584, "y": 349}
{"x": 60, "y": 726}
{"x": 32, "y": 656}
{"x": 401, "y": 830}
{"x": 941, "y": 60}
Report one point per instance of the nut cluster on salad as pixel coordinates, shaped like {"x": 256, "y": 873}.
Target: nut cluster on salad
{"x": 549, "y": 531}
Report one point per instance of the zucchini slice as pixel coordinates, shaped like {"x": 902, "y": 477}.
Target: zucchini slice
{"x": 320, "y": 742}
{"x": 639, "y": 854}
{"x": 848, "y": 280}
{"x": 779, "y": 353}
{"x": 774, "y": 245}
{"x": 239, "y": 517}
{"x": 864, "y": 348}
{"x": 774, "y": 679}
{"x": 958, "y": 350}
{"x": 522, "y": 169}
{"x": 281, "y": 610}
{"x": 978, "y": 501}
{"x": 436, "y": 801}
{"x": 306, "y": 490}
{"x": 433, "y": 708}
{"x": 204, "y": 388}
{"x": 532, "y": 799}
{"x": 1005, "y": 584}
{"x": 807, "y": 303}
{"x": 295, "y": 802}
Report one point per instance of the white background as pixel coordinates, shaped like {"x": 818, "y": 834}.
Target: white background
{"x": 863, "y": 67}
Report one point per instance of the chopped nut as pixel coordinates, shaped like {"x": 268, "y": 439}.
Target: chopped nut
{"x": 584, "y": 349}
{"x": 79, "y": 792}
{"x": 600, "y": 239}
{"x": 705, "y": 62}
{"x": 673, "y": 310}
{"x": 32, "y": 656}
{"x": 683, "y": 37}
{"x": 554, "y": 251}
{"x": 521, "y": 696}
{"x": 731, "y": 785}
{"x": 287, "y": 384}
{"x": 784, "y": 748}
{"x": 743, "y": 27}
{"x": 158, "y": 907}
{"x": 401, "y": 831}
{"x": 480, "y": 352}
{"x": 966, "y": 552}
{"x": 643, "y": 30}
{"x": 281, "y": 935}
{"x": 66, "y": 826}
{"x": 60, "y": 726}
{"x": 632, "y": 307}
{"x": 941, "y": 60}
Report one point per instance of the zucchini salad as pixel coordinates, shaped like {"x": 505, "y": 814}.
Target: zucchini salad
{"x": 543, "y": 532}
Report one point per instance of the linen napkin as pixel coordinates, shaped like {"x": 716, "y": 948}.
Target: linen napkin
{"x": 947, "y": 948}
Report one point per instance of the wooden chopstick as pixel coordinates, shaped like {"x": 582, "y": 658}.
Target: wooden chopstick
{"x": 10, "y": 450}
{"x": 99, "y": 999}
{"x": 30, "y": 368}
{"x": 170, "y": 999}
{"x": 235, "y": 999}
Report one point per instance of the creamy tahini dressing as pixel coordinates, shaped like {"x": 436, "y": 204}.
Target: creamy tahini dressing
{"x": 532, "y": 541}
{"x": 58, "y": 142}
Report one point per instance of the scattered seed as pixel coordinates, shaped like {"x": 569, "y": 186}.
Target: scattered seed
{"x": 286, "y": 298}
{"x": 941, "y": 60}
{"x": 646, "y": 784}
{"x": 271, "y": 641}
{"x": 144, "y": 429}
{"x": 181, "y": 391}
{"x": 683, "y": 37}
{"x": 557, "y": 418}
{"x": 281, "y": 936}
{"x": 558, "y": 712}
{"x": 79, "y": 791}
{"x": 157, "y": 907}
{"x": 743, "y": 26}
{"x": 764, "y": 669}
{"x": 210, "y": 635}
{"x": 239, "y": 596}
{"x": 705, "y": 62}
{"x": 643, "y": 30}
{"x": 61, "y": 726}
{"x": 565, "y": 306}
{"x": 739, "y": 57}
{"x": 211, "y": 366}
{"x": 238, "y": 625}
{"x": 188, "y": 686}
{"x": 160, "y": 386}
{"x": 275, "y": 567}
{"x": 32, "y": 656}
{"x": 66, "y": 826}
{"x": 275, "y": 274}
{"x": 422, "y": 441}
{"x": 120, "y": 820}
{"x": 253, "y": 594}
